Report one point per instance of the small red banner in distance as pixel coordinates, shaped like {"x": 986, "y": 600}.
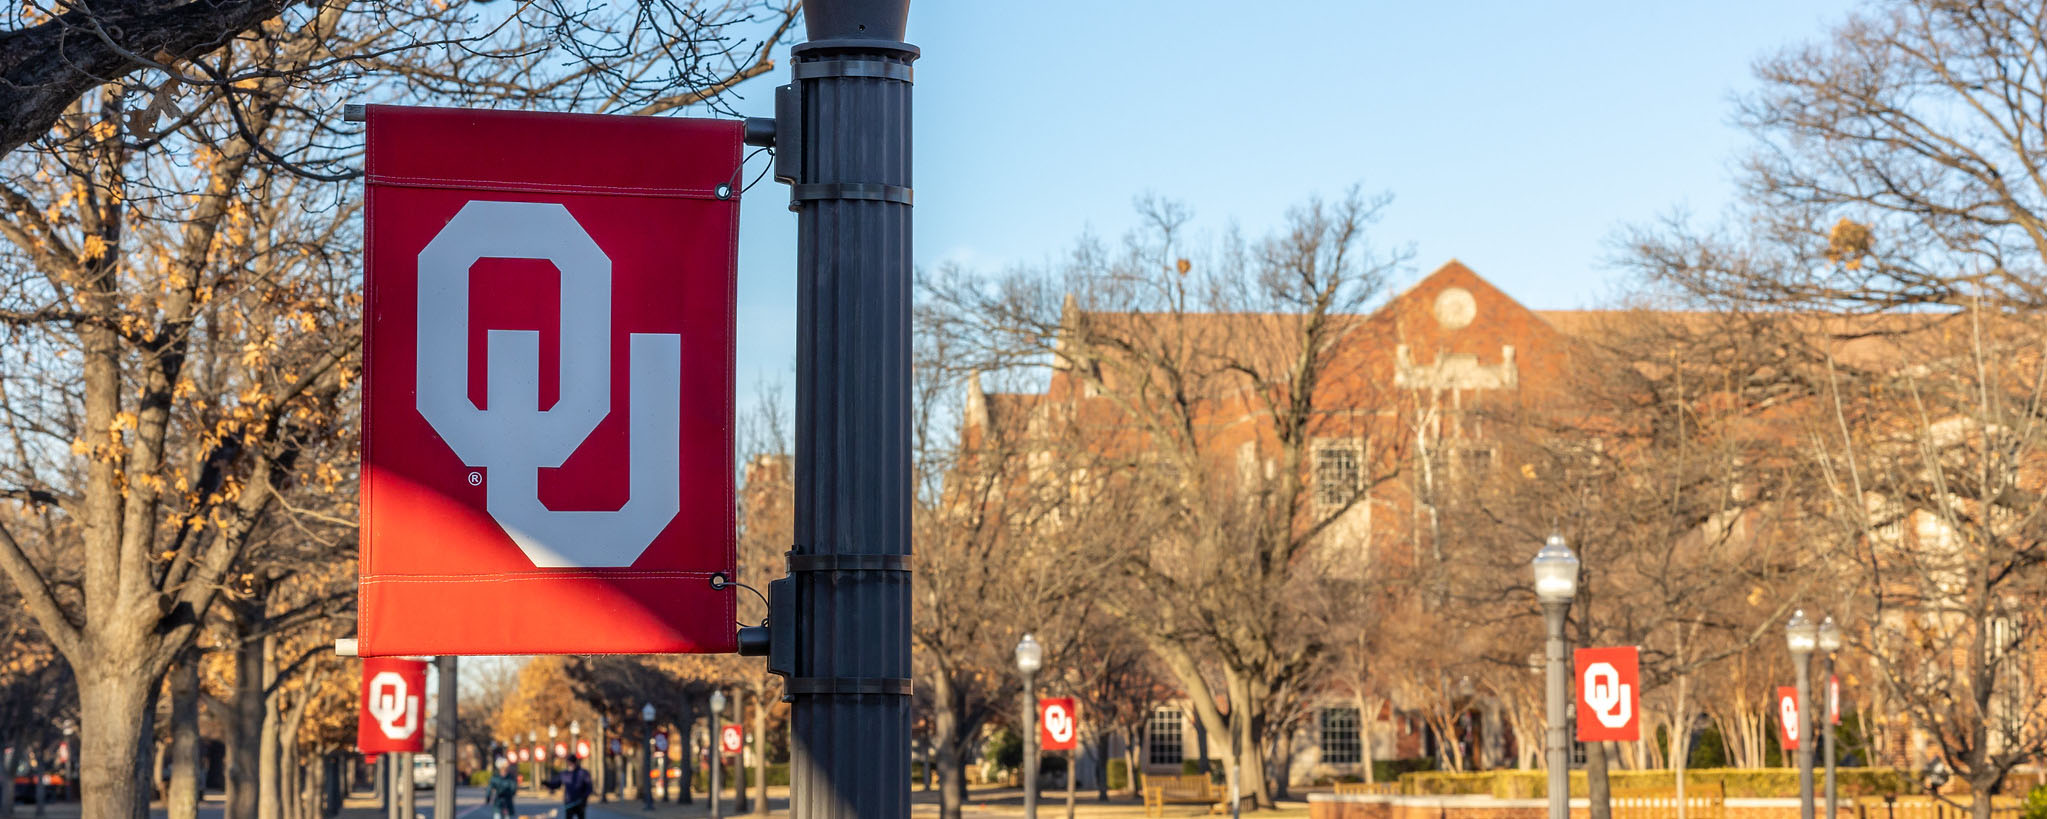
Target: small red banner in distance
{"x": 1787, "y": 716}
{"x": 1058, "y": 724}
{"x": 1609, "y": 682}
{"x": 393, "y": 713}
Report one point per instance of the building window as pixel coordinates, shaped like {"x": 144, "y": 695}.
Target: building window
{"x": 1339, "y": 470}
{"x": 1340, "y": 742}
{"x": 1475, "y": 461}
{"x": 1162, "y": 737}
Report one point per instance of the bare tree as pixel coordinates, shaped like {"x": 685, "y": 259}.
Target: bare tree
{"x": 179, "y": 291}
{"x": 183, "y": 58}
{"x": 1153, "y": 356}
{"x": 1900, "y": 179}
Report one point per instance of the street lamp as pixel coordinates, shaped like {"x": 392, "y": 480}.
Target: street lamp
{"x": 717, "y": 754}
{"x": 554, "y": 761}
{"x": 1802, "y": 637}
{"x": 1556, "y": 585}
{"x": 647, "y": 756}
{"x": 1830, "y": 642}
{"x": 533, "y": 741}
{"x": 1029, "y": 658}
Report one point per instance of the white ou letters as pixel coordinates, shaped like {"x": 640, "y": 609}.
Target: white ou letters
{"x": 395, "y": 708}
{"x": 1058, "y": 723}
{"x": 1610, "y": 699}
{"x": 515, "y": 439}
{"x": 1787, "y": 711}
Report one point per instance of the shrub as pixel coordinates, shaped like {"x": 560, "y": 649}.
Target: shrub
{"x": 778, "y": 774}
{"x": 1738, "y": 782}
{"x": 1119, "y": 774}
{"x": 1389, "y": 770}
{"x": 2036, "y": 804}
{"x": 478, "y": 779}
{"x": 1005, "y": 749}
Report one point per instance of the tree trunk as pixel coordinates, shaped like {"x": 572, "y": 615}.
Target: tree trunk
{"x": 1132, "y": 755}
{"x": 1282, "y": 767}
{"x": 1368, "y": 727}
{"x": 948, "y": 746}
{"x": 181, "y": 801}
{"x": 1599, "y": 796}
{"x": 1681, "y": 733}
{"x": 1102, "y": 766}
{"x": 8, "y": 755}
{"x": 330, "y": 776}
{"x": 114, "y": 698}
{"x": 245, "y": 727}
{"x": 292, "y": 782}
{"x": 269, "y": 765}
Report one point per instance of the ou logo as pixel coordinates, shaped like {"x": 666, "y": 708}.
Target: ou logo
{"x": 1787, "y": 713}
{"x": 1058, "y": 723}
{"x": 393, "y": 706}
{"x": 1609, "y": 698}
{"x": 515, "y": 439}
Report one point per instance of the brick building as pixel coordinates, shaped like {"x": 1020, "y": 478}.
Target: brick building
{"x": 1427, "y": 370}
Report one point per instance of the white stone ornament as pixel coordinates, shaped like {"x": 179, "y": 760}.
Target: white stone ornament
{"x": 1455, "y": 308}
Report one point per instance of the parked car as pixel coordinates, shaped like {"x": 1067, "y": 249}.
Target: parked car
{"x": 25, "y": 786}
{"x": 423, "y": 772}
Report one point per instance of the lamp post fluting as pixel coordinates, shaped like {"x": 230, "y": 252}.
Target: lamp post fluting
{"x": 1802, "y": 636}
{"x": 1556, "y": 585}
{"x": 1030, "y": 656}
{"x": 647, "y": 756}
{"x": 1829, "y": 642}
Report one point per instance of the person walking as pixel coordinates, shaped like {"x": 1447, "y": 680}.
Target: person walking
{"x": 503, "y": 785}
{"x": 576, "y": 786}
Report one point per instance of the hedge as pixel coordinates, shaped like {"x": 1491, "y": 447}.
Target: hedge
{"x": 1740, "y": 782}
{"x": 778, "y": 774}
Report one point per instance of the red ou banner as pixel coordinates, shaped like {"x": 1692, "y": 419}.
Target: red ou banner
{"x": 561, "y": 750}
{"x": 1058, "y": 724}
{"x": 582, "y": 749}
{"x": 1787, "y": 716}
{"x": 547, "y": 421}
{"x": 1834, "y": 699}
{"x": 731, "y": 739}
{"x": 393, "y": 714}
{"x": 1609, "y": 694}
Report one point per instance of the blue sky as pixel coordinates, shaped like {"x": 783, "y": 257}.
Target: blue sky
{"x": 1517, "y": 137}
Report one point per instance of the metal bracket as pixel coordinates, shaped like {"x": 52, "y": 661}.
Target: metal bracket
{"x": 878, "y": 69}
{"x": 840, "y": 686}
{"x": 848, "y": 563}
{"x": 760, "y": 132}
{"x": 874, "y": 191}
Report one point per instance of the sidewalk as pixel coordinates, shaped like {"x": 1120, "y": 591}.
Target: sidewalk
{"x": 981, "y": 802}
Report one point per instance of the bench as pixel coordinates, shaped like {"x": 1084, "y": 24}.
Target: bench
{"x": 1700, "y": 802}
{"x": 1181, "y": 789}
{"x": 1368, "y": 788}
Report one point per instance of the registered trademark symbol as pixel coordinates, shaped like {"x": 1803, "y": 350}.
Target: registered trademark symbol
{"x": 475, "y": 479}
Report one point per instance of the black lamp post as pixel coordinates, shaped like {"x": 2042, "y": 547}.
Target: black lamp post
{"x": 647, "y": 756}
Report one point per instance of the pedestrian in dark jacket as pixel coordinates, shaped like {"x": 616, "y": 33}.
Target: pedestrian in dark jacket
{"x": 503, "y": 785}
{"x": 576, "y": 787}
